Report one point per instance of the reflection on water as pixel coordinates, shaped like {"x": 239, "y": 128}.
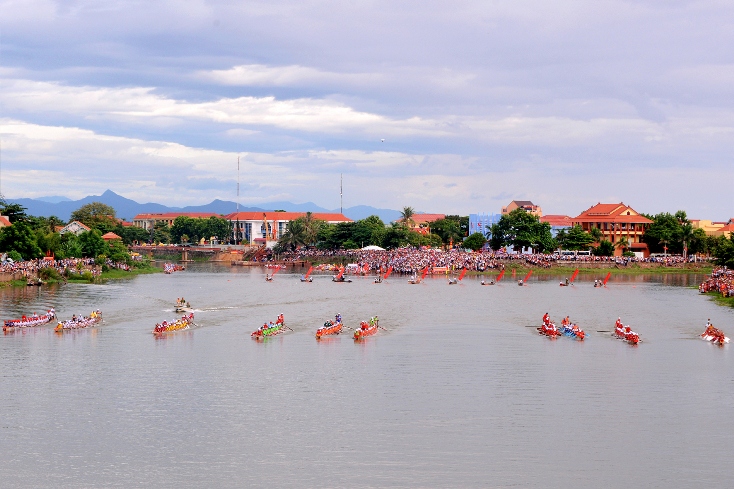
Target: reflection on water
{"x": 460, "y": 392}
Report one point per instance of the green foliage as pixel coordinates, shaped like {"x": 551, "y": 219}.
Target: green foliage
{"x": 21, "y": 238}
{"x": 462, "y": 222}
{"x": 396, "y": 236}
{"x": 575, "y": 239}
{"x": 49, "y": 273}
{"x": 14, "y": 255}
{"x": 521, "y": 229}
{"x": 406, "y": 216}
{"x": 70, "y": 247}
{"x": 14, "y": 212}
{"x": 132, "y": 234}
{"x": 96, "y": 215}
{"x": 161, "y": 233}
{"x": 350, "y": 245}
{"x": 92, "y": 244}
{"x": 671, "y": 230}
{"x": 475, "y": 241}
{"x": 449, "y": 230}
{"x": 724, "y": 252}
{"x": 605, "y": 248}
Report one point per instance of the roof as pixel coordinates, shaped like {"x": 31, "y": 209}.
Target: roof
{"x": 523, "y": 203}
{"x": 285, "y": 216}
{"x": 174, "y": 215}
{"x": 4, "y": 221}
{"x": 110, "y": 236}
{"x": 611, "y": 213}
{"x": 81, "y": 225}
{"x": 424, "y": 218}
{"x": 728, "y": 228}
{"x": 557, "y": 220}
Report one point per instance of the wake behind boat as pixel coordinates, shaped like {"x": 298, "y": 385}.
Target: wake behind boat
{"x": 30, "y": 321}
{"x": 176, "y": 325}
{"x": 80, "y": 322}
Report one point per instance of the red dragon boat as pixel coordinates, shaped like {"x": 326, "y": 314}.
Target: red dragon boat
{"x": 329, "y": 328}
{"x": 29, "y": 321}
{"x": 625, "y": 333}
{"x": 714, "y": 335}
{"x": 367, "y": 328}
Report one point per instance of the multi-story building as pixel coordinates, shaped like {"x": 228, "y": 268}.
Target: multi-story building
{"x": 267, "y": 227}
{"x": 616, "y": 221}
{"x": 526, "y": 205}
{"x": 148, "y": 221}
{"x": 557, "y": 222}
{"x": 480, "y": 223}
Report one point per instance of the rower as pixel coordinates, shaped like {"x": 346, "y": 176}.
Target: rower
{"x": 546, "y": 318}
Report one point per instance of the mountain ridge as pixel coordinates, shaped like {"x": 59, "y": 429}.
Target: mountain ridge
{"x": 127, "y": 208}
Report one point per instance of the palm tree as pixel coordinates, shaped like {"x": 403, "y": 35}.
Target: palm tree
{"x": 623, "y": 243}
{"x": 407, "y": 215}
{"x": 596, "y": 234}
{"x": 686, "y": 234}
{"x": 311, "y": 227}
{"x": 294, "y": 236}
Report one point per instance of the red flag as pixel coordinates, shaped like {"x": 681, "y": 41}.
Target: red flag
{"x": 513, "y": 273}
{"x": 366, "y": 267}
{"x": 341, "y": 273}
{"x": 502, "y": 274}
{"x": 425, "y": 272}
{"x": 463, "y": 272}
{"x": 276, "y": 270}
{"x": 310, "y": 269}
{"x": 575, "y": 274}
{"x": 527, "y": 276}
{"x": 387, "y": 274}
{"x": 607, "y": 279}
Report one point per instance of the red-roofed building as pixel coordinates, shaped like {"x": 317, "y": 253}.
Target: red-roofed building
{"x": 616, "y": 221}
{"x": 110, "y": 236}
{"x": 148, "y": 221}
{"x": 421, "y": 223}
{"x": 728, "y": 229}
{"x": 267, "y": 227}
{"x": 4, "y": 222}
{"x": 557, "y": 222}
{"x": 75, "y": 227}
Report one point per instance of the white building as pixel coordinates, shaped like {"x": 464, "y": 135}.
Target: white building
{"x": 74, "y": 227}
{"x": 267, "y": 227}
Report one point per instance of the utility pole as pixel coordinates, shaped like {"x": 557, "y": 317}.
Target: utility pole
{"x": 237, "y": 225}
{"x": 341, "y": 193}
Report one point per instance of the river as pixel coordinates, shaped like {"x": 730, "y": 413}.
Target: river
{"x": 460, "y": 391}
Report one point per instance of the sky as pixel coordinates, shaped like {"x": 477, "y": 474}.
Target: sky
{"x": 454, "y": 106}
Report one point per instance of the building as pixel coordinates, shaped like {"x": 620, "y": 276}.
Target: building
{"x": 4, "y": 222}
{"x": 148, "y": 221}
{"x": 480, "y": 223}
{"x": 711, "y": 228}
{"x": 110, "y": 237}
{"x": 557, "y": 223}
{"x": 74, "y": 227}
{"x": 616, "y": 221}
{"x": 526, "y": 205}
{"x": 267, "y": 227}
{"x": 421, "y": 223}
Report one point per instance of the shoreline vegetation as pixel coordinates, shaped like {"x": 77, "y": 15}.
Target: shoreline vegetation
{"x": 88, "y": 278}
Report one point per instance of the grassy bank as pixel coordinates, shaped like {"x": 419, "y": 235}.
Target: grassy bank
{"x": 720, "y": 299}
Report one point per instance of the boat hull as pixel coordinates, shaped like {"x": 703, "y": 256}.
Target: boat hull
{"x": 334, "y": 329}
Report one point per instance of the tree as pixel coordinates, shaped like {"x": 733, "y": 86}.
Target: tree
{"x": 396, "y": 236}
{"x": 217, "y": 227}
{"x": 406, "y": 215}
{"x": 475, "y": 241}
{"x": 118, "y": 252}
{"x": 448, "y": 229}
{"x": 521, "y": 230}
{"x": 666, "y": 231}
{"x": 20, "y": 238}
{"x": 92, "y": 243}
{"x": 622, "y": 244}
{"x": 95, "y": 215}
{"x": 724, "y": 252}
{"x": 596, "y": 234}
{"x": 685, "y": 234}
{"x": 161, "y": 233}
{"x": 14, "y": 212}
{"x": 294, "y": 236}
{"x": 368, "y": 231}
{"x": 605, "y": 248}
{"x": 463, "y": 223}
{"x": 576, "y": 239}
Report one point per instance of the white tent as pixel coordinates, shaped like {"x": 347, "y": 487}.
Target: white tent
{"x": 373, "y": 248}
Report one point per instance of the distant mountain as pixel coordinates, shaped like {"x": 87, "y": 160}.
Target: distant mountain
{"x": 128, "y": 209}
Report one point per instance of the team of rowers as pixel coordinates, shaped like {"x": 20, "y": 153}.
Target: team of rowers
{"x": 30, "y": 321}
{"x": 625, "y": 332}
{"x": 176, "y": 325}
{"x": 548, "y": 328}
{"x": 172, "y": 267}
{"x": 714, "y": 335}
{"x": 78, "y": 322}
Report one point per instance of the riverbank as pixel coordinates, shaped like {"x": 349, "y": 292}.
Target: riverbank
{"x": 614, "y": 269}
{"x": 87, "y": 277}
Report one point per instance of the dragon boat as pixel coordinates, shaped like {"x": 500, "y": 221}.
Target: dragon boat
{"x": 29, "y": 321}
{"x": 572, "y": 331}
{"x": 329, "y": 328}
{"x": 367, "y": 328}
{"x": 549, "y": 330}
{"x": 714, "y": 335}
{"x": 184, "y": 322}
{"x": 270, "y": 329}
{"x": 625, "y": 333}
{"x": 79, "y": 322}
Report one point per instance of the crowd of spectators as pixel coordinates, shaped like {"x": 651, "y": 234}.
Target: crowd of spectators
{"x": 411, "y": 260}
{"x": 31, "y": 268}
{"x": 721, "y": 280}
